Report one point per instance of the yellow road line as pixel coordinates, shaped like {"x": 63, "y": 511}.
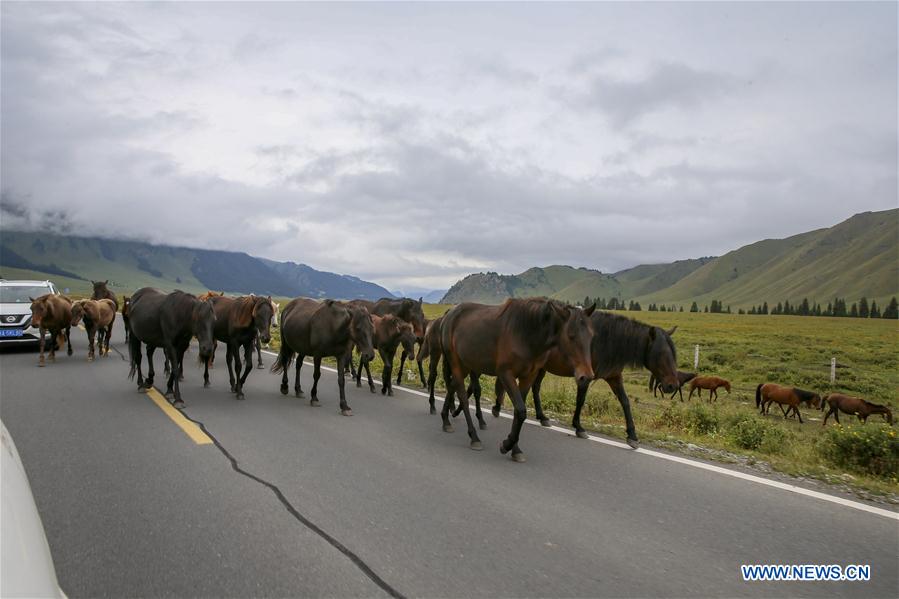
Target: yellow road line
{"x": 192, "y": 430}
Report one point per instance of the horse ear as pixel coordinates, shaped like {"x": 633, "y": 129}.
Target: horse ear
{"x": 671, "y": 332}
{"x": 590, "y": 310}
{"x": 31, "y": 298}
{"x": 420, "y": 300}
{"x": 106, "y": 282}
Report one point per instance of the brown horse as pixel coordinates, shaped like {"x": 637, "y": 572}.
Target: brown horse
{"x": 768, "y": 393}
{"x": 101, "y": 291}
{"x": 99, "y": 317}
{"x": 240, "y": 323}
{"x": 510, "y": 342}
{"x": 837, "y": 402}
{"x": 210, "y": 363}
{"x": 618, "y": 343}
{"x": 390, "y": 333}
{"x": 52, "y": 313}
{"x": 711, "y": 383}
{"x": 431, "y": 347}
{"x": 126, "y": 313}
{"x": 682, "y": 379}
{"x": 322, "y": 329}
{"x": 404, "y": 308}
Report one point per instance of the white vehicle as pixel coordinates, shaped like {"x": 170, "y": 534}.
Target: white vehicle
{"x": 15, "y": 310}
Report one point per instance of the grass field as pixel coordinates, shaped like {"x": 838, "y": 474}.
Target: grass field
{"x": 748, "y": 350}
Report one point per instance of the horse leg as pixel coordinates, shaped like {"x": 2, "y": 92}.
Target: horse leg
{"x": 248, "y": 366}
{"x": 798, "y": 415}
{"x": 692, "y": 389}
{"x": 177, "y": 364}
{"x": 151, "y": 372}
{"x": 476, "y": 389}
{"x": 170, "y": 381}
{"x": 316, "y": 374}
{"x": 91, "y": 332}
{"x": 259, "y": 363}
{"x": 433, "y": 363}
{"x": 234, "y": 355}
{"x": 448, "y": 402}
{"x": 579, "y": 431}
{"x": 297, "y": 388}
{"x": 618, "y": 389}
{"x": 230, "y": 358}
{"x": 538, "y": 405}
{"x": 366, "y": 364}
{"x": 387, "y": 372}
{"x": 399, "y": 373}
{"x": 516, "y": 391}
{"x": 41, "y": 332}
{"x": 458, "y": 379}
{"x": 421, "y": 371}
{"x": 69, "y": 339}
{"x": 500, "y": 394}
{"x": 341, "y": 383}
{"x": 826, "y": 416}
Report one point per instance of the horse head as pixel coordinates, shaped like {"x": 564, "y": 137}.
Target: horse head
{"x": 661, "y": 359}
{"x": 575, "y": 338}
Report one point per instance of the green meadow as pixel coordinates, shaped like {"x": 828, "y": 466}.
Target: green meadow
{"x": 748, "y": 350}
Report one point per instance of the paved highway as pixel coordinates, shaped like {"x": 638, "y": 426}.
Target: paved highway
{"x": 291, "y": 500}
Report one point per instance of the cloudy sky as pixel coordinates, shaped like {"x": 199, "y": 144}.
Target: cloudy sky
{"x": 411, "y": 144}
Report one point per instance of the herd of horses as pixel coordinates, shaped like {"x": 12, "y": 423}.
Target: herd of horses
{"x": 518, "y": 342}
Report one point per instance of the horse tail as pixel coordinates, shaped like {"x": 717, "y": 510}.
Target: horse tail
{"x": 61, "y": 339}
{"x": 284, "y": 359}
{"x": 652, "y": 382}
{"x": 758, "y": 395}
{"x": 133, "y": 353}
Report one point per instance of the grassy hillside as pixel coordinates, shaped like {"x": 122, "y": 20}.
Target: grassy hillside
{"x": 855, "y": 258}
{"x": 129, "y": 265}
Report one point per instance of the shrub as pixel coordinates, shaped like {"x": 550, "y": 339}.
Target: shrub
{"x": 869, "y": 449}
{"x": 701, "y": 420}
{"x": 670, "y": 416}
{"x": 757, "y": 434}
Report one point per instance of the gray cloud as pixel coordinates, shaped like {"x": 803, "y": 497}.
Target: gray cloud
{"x": 296, "y": 132}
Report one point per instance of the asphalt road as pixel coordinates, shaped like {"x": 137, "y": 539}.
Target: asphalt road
{"x": 386, "y": 503}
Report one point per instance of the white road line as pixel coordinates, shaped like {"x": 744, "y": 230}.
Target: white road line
{"x": 687, "y": 461}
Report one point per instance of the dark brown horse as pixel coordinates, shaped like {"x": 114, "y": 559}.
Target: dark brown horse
{"x": 837, "y": 402}
{"x": 682, "y": 379}
{"x": 240, "y": 323}
{"x": 711, "y": 383}
{"x": 510, "y": 342}
{"x": 406, "y": 354}
{"x": 618, "y": 343}
{"x": 768, "y": 393}
{"x": 322, "y": 329}
{"x": 404, "y": 308}
{"x": 432, "y": 347}
{"x": 126, "y": 313}
{"x": 101, "y": 291}
{"x": 390, "y": 333}
{"x": 99, "y": 317}
{"x": 52, "y": 313}
{"x": 168, "y": 321}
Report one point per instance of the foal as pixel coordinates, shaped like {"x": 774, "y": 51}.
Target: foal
{"x": 712, "y": 383}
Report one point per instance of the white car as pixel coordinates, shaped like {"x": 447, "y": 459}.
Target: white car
{"x": 15, "y": 310}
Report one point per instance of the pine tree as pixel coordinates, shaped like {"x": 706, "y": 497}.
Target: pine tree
{"x": 863, "y": 310}
{"x": 803, "y": 307}
{"x": 694, "y": 307}
{"x": 765, "y": 308}
{"x": 892, "y": 309}
{"x": 682, "y": 309}
{"x": 752, "y": 310}
{"x": 875, "y": 310}
{"x": 853, "y": 312}
{"x": 829, "y": 311}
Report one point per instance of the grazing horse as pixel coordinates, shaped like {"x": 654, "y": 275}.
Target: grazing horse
{"x": 126, "y": 313}
{"x": 322, "y": 329}
{"x": 712, "y": 383}
{"x": 98, "y": 316}
{"x": 837, "y": 402}
{"x": 510, "y": 342}
{"x": 406, "y": 309}
{"x": 240, "y": 323}
{"x": 682, "y": 379}
{"x": 390, "y": 333}
{"x": 168, "y": 321}
{"x": 52, "y": 313}
{"x": 101, "y": 291}
{"x": 768, "y": 393}
{"x": 618, "y": 342}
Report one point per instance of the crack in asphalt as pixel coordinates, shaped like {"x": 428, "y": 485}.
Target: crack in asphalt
{"x": 359, "y": 563}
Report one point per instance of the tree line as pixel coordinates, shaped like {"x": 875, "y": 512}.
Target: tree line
{"x": 838, "y": 307}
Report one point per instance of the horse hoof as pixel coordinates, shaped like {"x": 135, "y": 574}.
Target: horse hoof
{"x": 390, "y": 393}
{"x": 495, "y": 412}
{"x": 383, "y": 391}
{"x": 358, "y": 385}
{"x": 581, "y": 434}
{"x": 206, "y": 385}
{"x": 41, "y": 364}
{"x": 633, "y": 443}
{"x": 502, "y": 448}
{"x": 314, "y": 403}
{"x": 482, "y": 425}
{"x": 448, "y": 428}
{"x": 372, "y": 389}
{"x": 169, "y": 394}
{"x": 433, "y": 410}
{"x": 545, "y": 422}
{"x": 233, "y": 389}
{"x": 519, "y": 457}
{"x": 346, "y": 412}
{"x": 69, "y": 353}
{"x": 476, "y": 445}
{"x": 179, "y": 405}
{"x": 283, "y": 389}
{"x": 260, "y": 366}
{"x": 299, "y": 394}
{"x": 240, "y": 396}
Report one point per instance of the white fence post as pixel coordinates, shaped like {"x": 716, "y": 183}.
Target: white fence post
{"x": 696, "y": 357}
{"x": 833, "y": 370}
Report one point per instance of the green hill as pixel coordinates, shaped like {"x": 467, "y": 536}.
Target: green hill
{"x": 72, "y": 262}
{"x": 855, "y": 258}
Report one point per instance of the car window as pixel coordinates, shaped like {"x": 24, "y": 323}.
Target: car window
{"x": 21, "y": 295}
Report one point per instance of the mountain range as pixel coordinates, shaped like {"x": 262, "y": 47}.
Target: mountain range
{"x": 71, "y": 262}
{"x": 857, "y": 257}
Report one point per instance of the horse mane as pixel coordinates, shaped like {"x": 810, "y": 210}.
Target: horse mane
{"x": 526, "y": 314}
{"x": 804, "y": 395}
{"x": 622, "y": 341}
{"x": 241, "y": 313}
